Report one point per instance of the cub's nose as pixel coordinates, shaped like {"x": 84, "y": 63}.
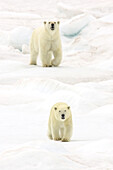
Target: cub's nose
{"x": 63, "y": 116}
{"x": 52, "y": 25}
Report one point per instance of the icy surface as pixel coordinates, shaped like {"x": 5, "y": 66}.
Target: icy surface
{"x": 84, "y": 80}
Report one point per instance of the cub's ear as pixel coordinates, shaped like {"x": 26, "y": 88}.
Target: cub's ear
{"x": 55, "y": 108}
{"x": 58, "y": 22}
{"x": 44, "y": 22}
{"x": 68, "y": 107}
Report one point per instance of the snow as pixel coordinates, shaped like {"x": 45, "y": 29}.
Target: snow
{"x": 107, "y": 19}
{"x": 84, "y": 80}
{"x": 16, "y": 38}
{"x": 12, "y": 15}
{"x": 76, "y": 24}
{"x": 67, "y": 10}
{"x": 20, "y": 36}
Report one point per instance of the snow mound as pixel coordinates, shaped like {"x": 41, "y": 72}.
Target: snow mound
{"x": 18, "y": 15}
{"x": 20, "y": 36}
{"x": 4, "y": 37}
{"x": 107, "y": 19}
{"x": 67, "y": 11}
{"x": 33, "y": 158}
{"x": 75, "y": 25}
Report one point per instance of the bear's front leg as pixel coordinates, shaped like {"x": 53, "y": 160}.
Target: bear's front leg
{"x": 45, "y": 57}
{"x": 67, "y": 134}
{"x": 49, "y": 57}
{"x": 57, "y": 57}
{"x": 55, "y": 133}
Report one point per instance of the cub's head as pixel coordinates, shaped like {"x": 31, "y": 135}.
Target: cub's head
{"x": 62, "y": 113}
{"x": 51, "y": 26}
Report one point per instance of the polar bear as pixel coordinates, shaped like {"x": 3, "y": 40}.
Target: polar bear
{"x": 46, "y": 41}
{"x": 60, "y": 122}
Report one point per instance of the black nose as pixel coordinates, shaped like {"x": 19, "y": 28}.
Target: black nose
{"x": 63, "y": 116}
{"x": 52, "y": 25}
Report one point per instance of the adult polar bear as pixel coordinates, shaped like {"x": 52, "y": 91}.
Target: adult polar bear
{"x": 46, "y": 41}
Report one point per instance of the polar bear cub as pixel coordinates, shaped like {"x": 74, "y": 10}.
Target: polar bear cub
{"x": 45, "y": 42}
{"x": 60, "y": 122}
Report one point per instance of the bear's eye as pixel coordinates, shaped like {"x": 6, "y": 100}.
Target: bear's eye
{"x": 59, "y": 111}
{"x": 49, "y": 22}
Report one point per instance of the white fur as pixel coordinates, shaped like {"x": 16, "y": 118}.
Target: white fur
{"x": 45, "y": 43}
{"x": 58, "y": 128}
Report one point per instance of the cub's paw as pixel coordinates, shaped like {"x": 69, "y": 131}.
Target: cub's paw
{"x": 44, "y": 65}
{"x": 50, "y": 137}
{"x": 65, "y": 140}
{"x": 32, "y": 63}
{"x": 57, "y": 139}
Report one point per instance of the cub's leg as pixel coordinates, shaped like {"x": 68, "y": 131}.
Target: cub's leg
{"x": 49, "y": 130}
{"x": 61, "y": 133}
{"x": 55, "y": 133}
{"x": 67, "y": 134}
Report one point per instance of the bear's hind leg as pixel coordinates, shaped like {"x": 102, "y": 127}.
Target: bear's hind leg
{"x": 50, "y": 134}
{"x": 33, "y": 58}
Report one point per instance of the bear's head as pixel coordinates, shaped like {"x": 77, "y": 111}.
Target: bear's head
{"x": 62, "y": 113}
{"x": 51, "y": 27}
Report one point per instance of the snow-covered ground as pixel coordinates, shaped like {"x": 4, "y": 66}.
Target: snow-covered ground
{"x": 84, "y": 81}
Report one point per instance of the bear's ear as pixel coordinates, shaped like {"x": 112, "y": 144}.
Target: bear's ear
{"x": 58, "y": 22}
{"x": 55, "y": 108}
{"x": 68, "y": 107}
{"x": 44, "y": 22}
